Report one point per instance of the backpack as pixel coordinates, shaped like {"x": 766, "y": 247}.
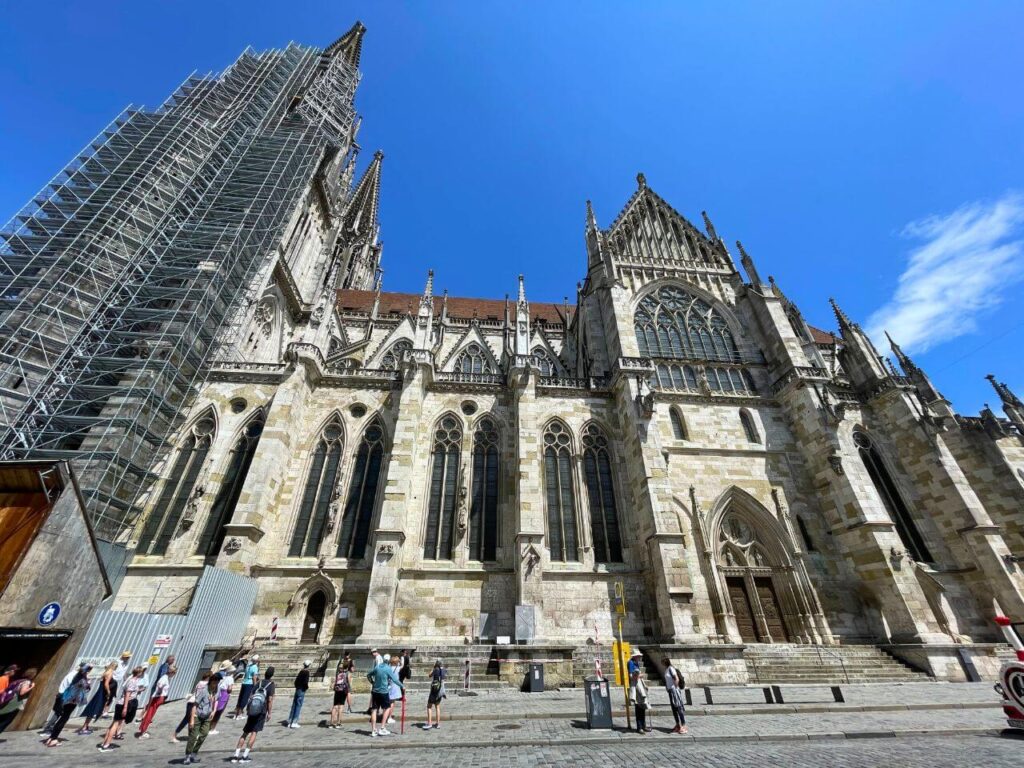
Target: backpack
{"x": 258, "y": 701}
{"x": 8, "y": 694}
{"x": 204, "y": 705}
{"x": 341, "y": 682}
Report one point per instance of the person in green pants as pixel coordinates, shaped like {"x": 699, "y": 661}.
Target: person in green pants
{"x": 199, "y": 720}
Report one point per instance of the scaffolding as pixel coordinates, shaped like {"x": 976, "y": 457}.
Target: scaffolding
{"x": 121, "y": 279}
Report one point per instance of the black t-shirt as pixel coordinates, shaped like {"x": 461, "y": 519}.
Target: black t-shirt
{"x": 302, "y": 680}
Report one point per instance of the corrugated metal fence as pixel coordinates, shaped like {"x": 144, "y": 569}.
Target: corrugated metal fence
{"x": 218, "y": 615}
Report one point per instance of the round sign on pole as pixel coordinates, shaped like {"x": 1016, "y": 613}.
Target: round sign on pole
{"x": 48, "y": 614}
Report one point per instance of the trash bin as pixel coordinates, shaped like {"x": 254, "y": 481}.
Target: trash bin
{"x": 534, "y": 682}
{"x": 599, "y": 703}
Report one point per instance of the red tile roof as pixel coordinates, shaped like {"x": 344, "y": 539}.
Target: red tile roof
{"x": 822, "y": 337}
{"x": 407, "y": 303}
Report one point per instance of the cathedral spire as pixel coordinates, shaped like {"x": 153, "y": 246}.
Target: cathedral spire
{"x": 349, "y": 45}
{"x": 929, "y": 395}
{"x": 709, "y": 227}
{"x": 425, "y": 315}
{"x": 360, "y": 215}
{"x": 905, "y": 362}
{"x": 1012, "y": 405}
{"x": 844, "y": 322}
{"x": 860, "y": 358}
{"x": 745, "y": 260}
{"x": 522, "y": 337}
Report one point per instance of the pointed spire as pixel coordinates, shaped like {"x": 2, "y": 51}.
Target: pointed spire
{"x": 360, "y": 215}
{"x": 428, "y": 289}
{"x": 522, "y": 291}
{"x": 425, "y": 316}
{"x": 522, "y": 337}
{"x": 444, "y": 306}
{"x": 709, "y": 227}
{"x": 1004, "y": 392}
{"x": 591, "y": 218}
{"x": 641, "y": 181}
{"x": 747, "y": 262}
{"x": 349, "y": 45}
{"x": 844, "y": 322}
{"x": 906, "y": 363}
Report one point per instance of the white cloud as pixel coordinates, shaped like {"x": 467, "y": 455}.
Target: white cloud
{"x": 964, "y": 266}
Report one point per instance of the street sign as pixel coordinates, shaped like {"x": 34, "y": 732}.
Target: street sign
{"x": 620, "y": 598}
{"x": 48, "y": 614}
{"x": 162, "y": 641}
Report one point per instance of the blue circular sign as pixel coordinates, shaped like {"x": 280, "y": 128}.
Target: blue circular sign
{"x": 49, "y": 614}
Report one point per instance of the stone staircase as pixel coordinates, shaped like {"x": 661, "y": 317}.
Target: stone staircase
{"x": 811, "y": 664}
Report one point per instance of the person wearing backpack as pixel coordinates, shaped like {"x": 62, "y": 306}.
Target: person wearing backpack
{"x": 74, "y": 696}
{"x": 674, "y": 684}
{"x": 13, "y": 699}
{"x": 199, "y": 718}
{"x": 258, "y": 709}
{"x": 190, "y": 703}
{"x": 342, "y": 692}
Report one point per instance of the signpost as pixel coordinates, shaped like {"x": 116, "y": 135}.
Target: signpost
{"x": 48, "y": 614}
{"x": 620, "y": 610}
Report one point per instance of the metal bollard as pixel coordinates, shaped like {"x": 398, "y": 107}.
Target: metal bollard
{"x": 778, "y": 694}
{"x": 837, "y": 694}
{"x": 768, "y": 699}
{"x": 707, "y": 695}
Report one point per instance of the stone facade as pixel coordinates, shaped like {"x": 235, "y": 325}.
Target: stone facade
{"x": 411, "y": 468}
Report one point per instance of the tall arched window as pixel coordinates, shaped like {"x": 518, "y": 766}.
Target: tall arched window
{"x": 604, "y": 519}
{"x": 678, "y": 424}
{"x": 473, "y": 359}
{"x": 227, "y": 496}
{"x": 483, "y": 510}
{"x": 393, "y": 356}
{"x": 891, "y": 498}
{"x": 321, "y": 484}
{"x": 673, "y": 323}
{"x": 545, "y": 365}
{"x": 749, "y": 428}
{"x": 166, "y": 515}
{"x": 362, "y": 494}
{"x": 444, "y": 490}
{"x": 562, "y": 535}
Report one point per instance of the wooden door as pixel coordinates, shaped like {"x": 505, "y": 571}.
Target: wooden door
{"x": 314, "y": 617}
{"x": 770, "y": 607}
{"x": 741, "y": 609}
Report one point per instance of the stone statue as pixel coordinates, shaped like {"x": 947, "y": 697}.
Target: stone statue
{"x": 462, "y": 516}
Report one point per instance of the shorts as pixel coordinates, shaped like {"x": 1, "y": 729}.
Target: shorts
{"x": 379, "y": 700}
{"x": 435, "y": 695}
{"x": 339, "y": 697}
{"x": 127, "y": 714}
{"x": 254, "y": 723}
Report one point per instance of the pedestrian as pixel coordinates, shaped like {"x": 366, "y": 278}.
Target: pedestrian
{"x": 76, "y": 695}
{"x": 396, "y": 689}
{"x": 258, "y": 709}
{"x": 122, "y": 671}
{"x": 225, "y": 682}
{"x": 161, "y": 672}
{"x": 58, "y": 701}
{"x": 674, "y": 684}
{"x": 104, "y": 694}
{"x": 190, "y": 703}
{"x": 638, "y": 691}
{"x": 406, "y": 670}
{"x": 158, "y": 697}
{"x": 342, "y": 694}
{"x": 10, "y": 673}
{"x": 13, "y": 699}
{"x": 126, "y": 703}
{"x": 437, "y": 693}
{"x": 199, "y": 718}
{"x": 249, "y": 680}
{"x": 380, "y": 677}
{"x": 349, "y": 666}
{"x": 301, "y": 686}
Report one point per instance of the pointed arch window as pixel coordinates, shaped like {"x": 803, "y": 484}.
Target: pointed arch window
{"x": 604, "y": 518}
{"x": 561, "y": 498}
{"x": 545, "y": 365}
{"x": 805, "y": 535}
{"x": 906, "y": 528}
{"x": 362, "y": 494}
{"x": 318, "y": 493}
{"x": 749, "y": 427}
{"x": 483, "y": 510}
{"x": 223, "y": 508}
{"x": 444, "y": 490}
{"x": 393, "y": 357}
{"x": 166, "y": 515}
{"x": 678, "y": 424}
{"x": 473, "y": 359}
{"x": 673, "y": 323}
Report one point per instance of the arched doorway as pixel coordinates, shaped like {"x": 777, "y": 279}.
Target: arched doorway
{"x": 315, "y": 610}
{"x": 749, "y": 572}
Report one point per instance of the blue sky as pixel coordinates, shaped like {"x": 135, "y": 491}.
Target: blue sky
{"x": 870, "y": 151}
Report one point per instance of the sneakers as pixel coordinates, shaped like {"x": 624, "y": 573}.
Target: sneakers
{"x": 107, "y": 748}
{"x": 213, "y": 733}
{"x": 384, "y": 732}
{"x": 245, "y": 759}
{"x": 391, "y": 721}
{"x": 374, "y": 734}
{"x": 426, "y": 726}
{"x": 187, "y": 760}
{"x": 143, "y": 735}
{"x": 294, "y": 725}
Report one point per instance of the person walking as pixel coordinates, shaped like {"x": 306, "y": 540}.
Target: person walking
{"x": 10, "y": 673}
{"x": 349, "y": 666}
{"x": 125, "y": 706}
{"x": 396, "y": 687}
{"x": 158, "y": 697}
{"x": 121, "y": 673}
{"x": 98, "y": 703}
{"x": 161, "y": 671}
{"x": 258, "y": 710}
{"x": 225, "y": 682}
{"x": 249, "y": 680}
{"x": 406, "y": 670}
{"x": 342, "y": 693}
{"x": 638, "y": 691}
{"x": 674, "y": 684}
{"x": 437, "y": 694}
{"x": 190, "y": 703}
{"x": 13, "y": 699}
{"x": 70, "y": 679}
{"x": 301, "y": 686}
{"x": 199, "y": 718}
{"x": 380, "y": 678}
{"x": 76, "y": 695}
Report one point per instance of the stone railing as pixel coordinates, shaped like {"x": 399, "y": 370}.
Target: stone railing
{"x": 801, "y": 373}
{"x": 457, "y": 377}
{"x": 638, "y": 364}
{"x": 375, "y": 374}
{"x": 240, "y": 370}
{"x": 304, "y": 347}
{"x": 582, "y": 383}
{"x": 239, "y": 365}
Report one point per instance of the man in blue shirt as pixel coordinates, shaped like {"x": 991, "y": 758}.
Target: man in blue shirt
{"x": 249, "y": 681}
{"x": 381, "y": 678}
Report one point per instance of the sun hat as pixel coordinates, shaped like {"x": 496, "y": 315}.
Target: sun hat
{"x": 307, "y": 663}
{"x": 636, "y": 652}
{"x": 255, "y": 657}
{"x": 226, "y": 666}
{"x": 126, "y": 655}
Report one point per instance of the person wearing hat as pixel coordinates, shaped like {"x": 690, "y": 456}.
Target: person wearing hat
{"x": 249, "y": 681}
{"x": 638, "y": 690}
{"x": 301, "y": 686}
{"x": 70, "y": 679}
{"x": 225, "y": 683}
{"x": 74, "y": 696}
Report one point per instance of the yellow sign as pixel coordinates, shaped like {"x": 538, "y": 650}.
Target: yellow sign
{"x": 620, "y": 653}
{"x": 153, "y": 660}
{"x": 620, "y": 599}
